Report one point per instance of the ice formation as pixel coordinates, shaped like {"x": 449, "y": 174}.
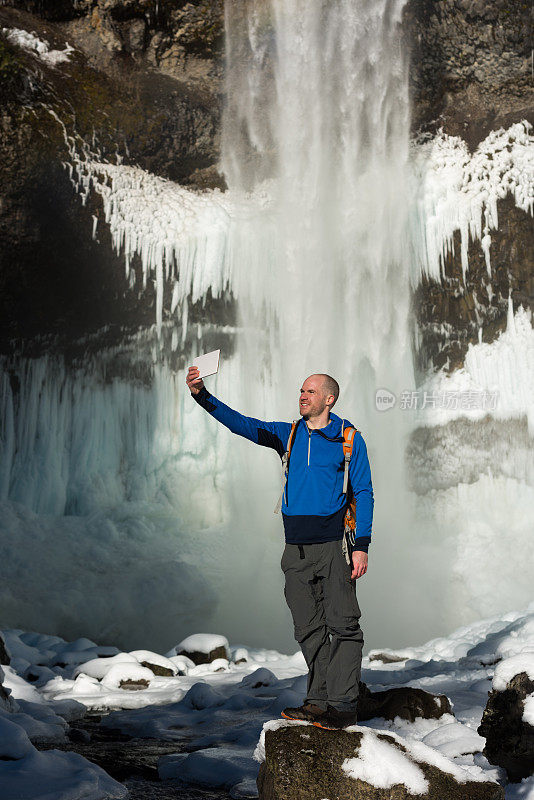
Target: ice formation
{"x": 459, "y": 191}
{"x": 497, "y": 379}
{"x": 198, "y": 241}
{"x": 40, "y": 47}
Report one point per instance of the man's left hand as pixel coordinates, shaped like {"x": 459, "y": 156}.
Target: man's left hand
{"x": 359, "y": 564}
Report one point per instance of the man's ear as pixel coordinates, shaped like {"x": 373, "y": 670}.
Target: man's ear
{"x": 330, "y": 400}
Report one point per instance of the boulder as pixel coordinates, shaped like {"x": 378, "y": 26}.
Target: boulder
{"x": 158, "y": 670}
{"x": 509, "y": 736}
{"x": 4, "y": 655}
{"x": 6, "y": 701}
{"x": 404, "y": 702}
{"x": 197, "y": 657}
{"x": 203, "y": 648}
{"x": 302, "y": 762}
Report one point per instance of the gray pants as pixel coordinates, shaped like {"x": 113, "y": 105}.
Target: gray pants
{"x": 322, "y": 601}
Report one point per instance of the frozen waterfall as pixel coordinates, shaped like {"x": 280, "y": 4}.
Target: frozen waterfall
{"x": 142, "y": 519}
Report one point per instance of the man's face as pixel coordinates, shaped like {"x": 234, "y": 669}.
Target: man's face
{"x": 312, "y": 397}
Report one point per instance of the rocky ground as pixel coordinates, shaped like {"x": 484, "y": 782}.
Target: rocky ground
{"x": 131, "y": 761}
{"x": 167, "y": 727}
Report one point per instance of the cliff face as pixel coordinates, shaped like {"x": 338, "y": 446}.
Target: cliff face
{"x": 143, "y": 84}
{"x": 471, "y": 65}
{"x": 471, "y": 74}
{"x": 146, "y": 78}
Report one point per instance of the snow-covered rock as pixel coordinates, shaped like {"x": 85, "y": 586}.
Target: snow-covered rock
{"x": 99, "y": 667}
{"x": 159, "y": 665}
{"x": 508, "y": 719}
{"x": 128, "y": 676}
{"x": 202, "y": 648}
{"x": 6, "y": 701}
{"x": 361, "y": 764}
{"x": 27, "y": 774}
{"x": 405, "y": 702}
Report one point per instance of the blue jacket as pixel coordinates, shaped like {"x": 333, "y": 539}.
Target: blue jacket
{"x": 314, "y": 505}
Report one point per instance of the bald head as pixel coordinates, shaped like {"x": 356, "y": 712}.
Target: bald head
{"x": 330, "y": 386}
{"x": 323, "y": 385}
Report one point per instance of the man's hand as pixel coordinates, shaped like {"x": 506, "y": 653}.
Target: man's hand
{"x": 194, "y": 383}
{"x": 359, "y": 564}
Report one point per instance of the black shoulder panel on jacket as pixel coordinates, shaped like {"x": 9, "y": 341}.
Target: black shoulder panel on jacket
{"x": 268, "y": 439}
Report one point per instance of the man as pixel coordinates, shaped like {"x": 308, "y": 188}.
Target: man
{"x": 319, "y": 584}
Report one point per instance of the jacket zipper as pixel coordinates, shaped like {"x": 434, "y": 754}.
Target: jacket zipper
{"x": 309, "y": 443}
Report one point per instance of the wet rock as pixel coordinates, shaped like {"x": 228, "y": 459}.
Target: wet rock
{"x": 385, "y": 658}
{"x": 4, "y": 655}
{"x": 305, "y": 763}
{"x": 509, "y": 738}
{"x": 6, "y": 701}
{"x": 451, "y": 312}
{"x": 157, "y": 669}
{"x": 404, "y": 702}
{"x": 198, "y": 657}
{"x": 133, "y": 685}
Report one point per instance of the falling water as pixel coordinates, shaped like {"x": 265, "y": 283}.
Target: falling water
{"x": 318, "y": 117}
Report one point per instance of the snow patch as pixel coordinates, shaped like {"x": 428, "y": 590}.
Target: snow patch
{"x": 381, "y": 764}
{"x": 39, "y": 47}
{"x": 500, "y": 373}
{"x": 507, "y": 669}
{"x": 528, "y": 710}
{"x": 201, "y": 643}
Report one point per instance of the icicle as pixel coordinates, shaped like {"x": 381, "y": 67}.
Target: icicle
{"x": 510, "y": 322}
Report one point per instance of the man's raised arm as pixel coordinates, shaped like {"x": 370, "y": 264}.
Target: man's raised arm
{"x": 268, "y": 434}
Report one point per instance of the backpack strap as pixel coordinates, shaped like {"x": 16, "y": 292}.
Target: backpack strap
{"x": 285, "y": 464}
{"x": 348, "y": 441}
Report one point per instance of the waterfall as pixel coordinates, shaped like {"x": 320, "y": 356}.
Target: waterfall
{"x": 318, "y": 117}
{"x": 148, "y": 520}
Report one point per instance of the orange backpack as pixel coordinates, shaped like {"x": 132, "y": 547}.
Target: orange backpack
{"x": 349, "y": 522}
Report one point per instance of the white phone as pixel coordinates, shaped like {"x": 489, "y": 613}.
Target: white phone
{"x": 208, "y": 363}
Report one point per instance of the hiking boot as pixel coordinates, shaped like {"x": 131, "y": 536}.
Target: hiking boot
{"x": 307, "y": 712}
{"x": 335, "y": 720}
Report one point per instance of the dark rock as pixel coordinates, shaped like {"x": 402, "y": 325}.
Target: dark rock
{"x": 385, "y": 658}
{"x": 404, "y": 702}
{"x": 469, "y": 96}
{"x": 450, "y": 313}
{"x": 304, "y": 763}
{"x": 158, "y": 670}
{"x": 509, "y": 739}
{"x": 6, "y": 701}
{"x": 204, "y": 658}
{"x": 134, "y": 685}
{"x": 56, "y": 281}
{"x": 4, "y": 655}
{"x": 79, "y": 735}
